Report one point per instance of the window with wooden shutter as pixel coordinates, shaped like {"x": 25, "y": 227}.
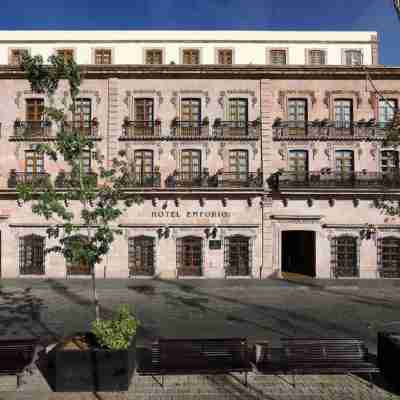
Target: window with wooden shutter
{"x": 353, "y": 57}
{"x": 225, "y": 56}
{"x": 31, "y": 255}
{"x": 34, "y": 162}
{"x": 278, "y": 57}
{"x": 154, "y": 56}
{"x": 66, "y": 54}
{"x": 191, "y": 56}
{"x": 316, "y": 57}
{"x": 102, "y": 56}
{"x": 16, "y": 56}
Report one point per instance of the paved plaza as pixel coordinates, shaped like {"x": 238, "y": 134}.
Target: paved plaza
{"x": 258, "y": 310}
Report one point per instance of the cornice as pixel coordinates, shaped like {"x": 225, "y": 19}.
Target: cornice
{"x": 222, "y": 71}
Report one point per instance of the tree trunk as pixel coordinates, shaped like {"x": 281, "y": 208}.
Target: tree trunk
{"x": 95, "y": 298}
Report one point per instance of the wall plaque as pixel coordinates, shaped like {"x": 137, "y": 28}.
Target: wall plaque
{"x": 214, "y": 244}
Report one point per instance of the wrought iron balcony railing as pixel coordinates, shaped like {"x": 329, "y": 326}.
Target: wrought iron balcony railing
{"x": 141, "y": 129}
{"x": 32, "y": 129}
{"x": 86, "y": 128}
{"x": 334, "y": 179}
{"x": 234, "y": 129}
{"x": 188, "y": 179}
{"x": 67, "y": 179}
{"x": 39, "y": 179}
{"x": 190, "y": 129}
{"x": 287, "y": 130}
{"x": 238, "y": 179}
{"x": 143, "y": 180}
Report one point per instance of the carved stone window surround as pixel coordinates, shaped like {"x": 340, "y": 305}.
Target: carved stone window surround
{"x": 331, "y": 148}
{"x": 306, "y": 146}
{"x": 331, "y": 95}
{"x": 131, "y": 94}
{"x": 285, "y": 95}
{"x": 178, "y": 147}
{"x": 373, "y": 99}
{"x": 93, "y": 95}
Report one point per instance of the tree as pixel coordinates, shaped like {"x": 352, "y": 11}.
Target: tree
{"x": 100, "y": 205}
{"x": 396, "y": 4}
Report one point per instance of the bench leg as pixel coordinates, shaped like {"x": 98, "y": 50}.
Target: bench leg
{"x": 19, "y": 380}
{"x": 162, "y": 380}
{"x": 245, "y": 379}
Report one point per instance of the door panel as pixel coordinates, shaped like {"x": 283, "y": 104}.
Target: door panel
{"x": 239, "y": 257}
{"x": 189, "y": 256}
{"x": 141, "y": 256}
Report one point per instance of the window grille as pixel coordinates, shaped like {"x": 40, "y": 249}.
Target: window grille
{"x": 316, "y": 57}
{"x": 389, "y": 257}
{"x": 154, "y": 56}
{"x": 238, "y": 253}
{"x": 191, "y": 56}
{"x": 102, "y": 56}
{"x": 17, "y": 56}
{"x": 31, "y": 255}
{"x": 345, "y": 256}
{"x": 353, "y": 57}
{"x": 278, "y": 57}
{"x": 225, "y": 56}
{"x": 66, "y": 54}
{"x": 141, "y": 255}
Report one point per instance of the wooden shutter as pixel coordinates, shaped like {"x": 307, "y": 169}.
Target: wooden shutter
{"x": 333, "y": 257}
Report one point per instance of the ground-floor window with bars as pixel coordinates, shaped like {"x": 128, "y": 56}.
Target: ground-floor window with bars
{"x": 345, "y": 257}
{"x": 389, "y": 257}
{"x": 237, "y": 255}
{"x": 141, "y": 256}
{"x": 189, "y": 256}
{"x": 80, "y": 267}
{"x": 31, "y": 255}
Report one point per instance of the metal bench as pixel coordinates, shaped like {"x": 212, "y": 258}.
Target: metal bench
{"x": 197, "y": 356}
{"x": 18, "y": 356}
{"x": 317, "y": 356}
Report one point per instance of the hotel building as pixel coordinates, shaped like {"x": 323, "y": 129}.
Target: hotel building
{"x": 256, "y": 153}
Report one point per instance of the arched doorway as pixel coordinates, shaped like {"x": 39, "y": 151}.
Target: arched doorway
{"x": 298, "y": 252}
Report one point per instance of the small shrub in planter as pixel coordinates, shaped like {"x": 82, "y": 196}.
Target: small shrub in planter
{"x": 100, "y": 360}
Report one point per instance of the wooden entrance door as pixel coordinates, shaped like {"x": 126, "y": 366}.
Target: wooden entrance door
{"x": 189, "y": 256}
{"x": 141, "y": 256}
{"x": 238, "y": 256}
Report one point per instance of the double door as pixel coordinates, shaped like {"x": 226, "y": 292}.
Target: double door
{"x": 189, "y": 256}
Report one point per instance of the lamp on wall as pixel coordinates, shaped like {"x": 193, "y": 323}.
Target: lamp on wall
{"x": 368, "y": 232}
{"x": 163, "y": 232}
{"x": 211, "y": 232}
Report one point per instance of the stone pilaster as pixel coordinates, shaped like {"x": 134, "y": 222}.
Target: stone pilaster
{"x": 114, "y": 118}
{"x": 375, "y": 49}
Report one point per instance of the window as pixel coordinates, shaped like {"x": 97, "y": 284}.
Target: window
{"x": 278, "y": 56}
{"x": 34, "y": 110}
{"x": 239, "y": 165}
{"x": 345, "y": 256}
{"x": 297, "y": 114}
{"x": 102, "y": 56}
{"x": 191, "y": 56}
{"x": 86, "y": 158}
{"x": 238, "y": 110}
{"x": 143, "y": 170}
{"x": 80, "y": 267}
{"x": 389, "y": 161}
{"x": 141, "y": 256}
{"x": 144, "y": 110}
{"x": 16, "y": 56}
{"x": 386, "y": 112}
{"x": 298, "y": 162}
{"x": 344, "y": 161}
{"x": 66, "y": 54}
{"x": 344, "y": 115}
{"x": 154, "y": 56}
{"x": 190, "y": 165}
{"x": 389, "y": 257}
{"x": 82, "y": 116}
{"x": 316, "y": 57}
{"x": 237, "y": 255}
{"x": 225, "y": 56}
{"x": 353, "y": 57}
{"x": 189, "y": 256}
{"x": 34, "y": 162}
{"x": 31, "y": 255}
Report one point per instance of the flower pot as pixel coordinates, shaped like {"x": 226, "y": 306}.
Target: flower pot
{"x": 91, "y": 369}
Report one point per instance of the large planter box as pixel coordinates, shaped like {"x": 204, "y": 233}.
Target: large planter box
{"x": 91, "y": 370}
{"x": 389, "y": 356}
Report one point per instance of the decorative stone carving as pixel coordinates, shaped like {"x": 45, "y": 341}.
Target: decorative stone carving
{"x": 174, "y": 99}
{"x": 314, "y": 150}
{"x": 221, "y": 150}
{"x": 282, "y": 151}
{"x": 64, "y": 98}
{"x": 330, "y": 93}
{"x": 94, "y": 93}
{"x": 221, "y": 98}
{"x": 201, "y": 92}
{"x": 327, "y": 151}
{"x": 372, "y": 151}
{"x": 283, "y": 95}
{"x": 18, "y": 98}
{"x": 254, "y": 147}
{"x": 252, "y": 93}
{"x": 310, "y": 202}
{"x": 160, "y": 150}
{"x": 160, "y": 98}
{"x": 128, "y": 95}
{"x": 174, "y": 151}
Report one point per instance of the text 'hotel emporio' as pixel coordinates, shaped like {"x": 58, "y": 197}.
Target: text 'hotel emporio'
{"x": 208, "y": 119}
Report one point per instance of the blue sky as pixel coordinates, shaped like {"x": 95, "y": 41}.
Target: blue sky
{"x": 376, "y": 15}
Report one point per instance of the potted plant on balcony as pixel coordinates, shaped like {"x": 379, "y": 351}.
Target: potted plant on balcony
{"x": 95, "y": 122}
{"x": 217, "y": 122}
{"x": 157, "y": 121}
{"x": 277, "y": 122}
{"x": 60, "y": 179}
{"x": 12, "y": 179}
{"x": 257, "y": 122}
{"x": 126, "y": 121}
{"x": 100, "y": 360}
{"x": 206, "y": 121}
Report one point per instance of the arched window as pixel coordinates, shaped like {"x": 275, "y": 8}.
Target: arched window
{"x": 237, "y": 255}
{"x": 141, "y": 255}
{"x": 345, "y": 257}
{"x": 31, "y": 255}
{"x": 389, "y": 257}
{"x": 189, "y": 256}
{"x": 80, "y": 267}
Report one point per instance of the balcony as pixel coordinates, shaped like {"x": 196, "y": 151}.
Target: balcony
{"x": 188, "y": 179}
{"x": 146, "y": 180}
{"x": 66, "y": 180}
{"x": 190, "y": 129}
{"x": 39, "y": 179}
{"x": 28, "y": 130}
{"x": 328, "y": 130}
{"x": 236, "y": 129}
{"x": 238, "y": 180}
{"x": 132, "y": 130}
{"x": 89, "y": 129}
{"x": 326, "y": 179}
